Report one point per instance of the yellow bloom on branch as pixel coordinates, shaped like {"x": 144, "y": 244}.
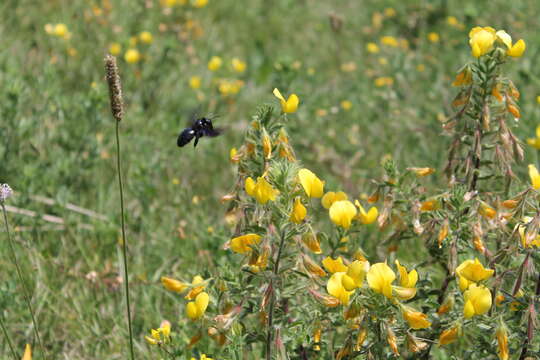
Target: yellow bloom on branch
{"x": 425, "y": 171}
{"x": 238, "y": 65}
{"x": 299, "y": 211}
{"x": 313, "y": 186}
{"x": 366, "y": 217}
{"x": 261, "y": 190}
{"x": 115, "y": 49}
{"x": 195, "y": 82}
{"x": 342, "y": 213}
{"x": 535, "y": 177}
{"x": 407, "y": 280}
{"x": 473, "y": 270}
{"x": 380, "y": 277}
{"x": 355, "y": 275}
{"x": 528, "y": 239}
{"x": 146, "y": 37}
{"x": 335, "y": 288}
{"x": 242, "y": 244}
{"x": 481, "y": 40}
{"x": 173, "y": 284}
{"x": 331, "y": 197}
{"x": 334, "y": 266}
{"x": 514, "y": 50}
{"x": 290, "y": 105}
{"x": 196, "y": 309}
{"x": 477, "y": 301}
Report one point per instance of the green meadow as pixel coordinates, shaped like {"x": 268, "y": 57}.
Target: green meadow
{"x": 359, "y": 105}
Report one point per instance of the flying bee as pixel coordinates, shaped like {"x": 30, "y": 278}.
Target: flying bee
{"x": 199, "y": 128}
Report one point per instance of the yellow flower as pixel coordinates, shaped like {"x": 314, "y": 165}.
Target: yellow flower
{"x": 146, "y": 37}
{"x": 195, "y": 309}
{"x": 389, "y": 12}
{"x": 502, "y": 342}
{"x": 380, "y": 277}
{"x": 407, "y": 280}
{"x": 487, "y": 211}
{"x": 448, "y": 336}
{"x": 346, "y": 105}
{"x": 214, "y": 63}
{"x": 155, "y": 334}
{"x": 60, "y": 30}
{"x": 372, "y": 48}
{"x": 389, "y": 41}
{"x": 342, "y": 212}
{"x": 481, "y": 40}
{"x": 425, "y": 171}
{"x": 242, "y": 244}
{"x": 298, "y": 212}
{"x": 433, "y": 37}
{"x": 416, "y": 319}
{"x": 197, "y": 286}
{"x": 115, "y": 48}
{"x": 238, "y": 65}
{"x": 200, "y": 3}
{"x": 535, "y": 177}
{"x": 528, "y": 240}
{"x": 430, "y": 205}
{"x": 535, "y": 142}
{"x": 173, "y": 284}
{"x": 473, "y": 270}
{"x": 195, "y": 82}
{"x": 334, "y": 266}
{"x": 356, "y": 273}
{"x": 384, "y": 81}
{"x": 27, "y": 353}
{"x": 515, "y": 50}
{"x": 313, "y": 186}
{"x": 366, "y": 217}
{"x": 331, "y": 197}
{"x": 262, "y": 191}
{"x": 287, "y": 106}
{"x": 335, "y": 288}
{"x": 132, "y": 56}
{"x": 477, "y": 301}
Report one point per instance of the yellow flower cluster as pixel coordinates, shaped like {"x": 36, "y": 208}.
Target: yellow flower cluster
{"x": 483, "y": 39}
{"x": 195, "y": 308}
{"x": 160, "y": 335}
{"x": 59, "y": 30}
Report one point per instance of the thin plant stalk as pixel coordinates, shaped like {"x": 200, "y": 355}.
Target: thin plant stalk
{"x": 6, "y": 335}
{"x": 124, "y": 243}
{"x": 23, "y": 283}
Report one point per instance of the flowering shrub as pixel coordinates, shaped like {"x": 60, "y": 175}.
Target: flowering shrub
{"x": 303, "y": 283}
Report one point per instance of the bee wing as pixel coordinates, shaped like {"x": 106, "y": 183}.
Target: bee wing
{"x": 213, "y": 132}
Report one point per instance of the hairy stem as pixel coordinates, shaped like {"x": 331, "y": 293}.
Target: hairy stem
{"x": 270, "y": 332}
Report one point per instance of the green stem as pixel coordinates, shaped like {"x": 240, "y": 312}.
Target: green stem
{"x": 7, "y": 337}
{"x": 23, "y": 283}
{"x": 270, "y": 333}
{"x": 124, "y": 243}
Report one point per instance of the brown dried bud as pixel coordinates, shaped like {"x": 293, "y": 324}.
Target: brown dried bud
{"x": 115, "y": 87}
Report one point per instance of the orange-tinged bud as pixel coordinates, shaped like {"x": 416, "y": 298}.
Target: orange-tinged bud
{"x": 324, "y": 299}
{"x": 267, "y": 146}
{"x": 496, "y": 93}
{"x": 443, "y": 232}
{"x": 392, "y": 341}
{"x": 487, "y": 211}
{"x": 446, "y": 306}
{"x": 312, "y": 267}
{"x": 414, "y": 344}
{"x": 499, "y": 299}
{"x": 362, "y": 335}
{"x": 512, "y": 109}
{"x": 173, "y": 284}
{"x": 317, "y": 338}
{"x": 430, "y": 205}
{"x": 449, "y": 336}
{"x": 479, "y": 244}
{"x": 509, "y": 204}
{"x": 373, "y": 198}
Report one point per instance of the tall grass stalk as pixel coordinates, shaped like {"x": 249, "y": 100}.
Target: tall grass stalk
{"x": 26, "y": 293}
{"x": 8, "y": 340}
{"x": 117, "y": 110}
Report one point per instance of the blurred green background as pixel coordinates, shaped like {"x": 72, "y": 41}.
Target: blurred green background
{"x": 356, "y": 107}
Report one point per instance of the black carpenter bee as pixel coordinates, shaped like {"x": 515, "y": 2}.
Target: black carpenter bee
{"x": 199, "y": 128}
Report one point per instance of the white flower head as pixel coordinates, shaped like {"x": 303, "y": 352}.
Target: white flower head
{"x": 5, "y": 192}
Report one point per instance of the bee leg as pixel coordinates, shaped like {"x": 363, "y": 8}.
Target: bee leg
{"x": 196, "y": 141}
